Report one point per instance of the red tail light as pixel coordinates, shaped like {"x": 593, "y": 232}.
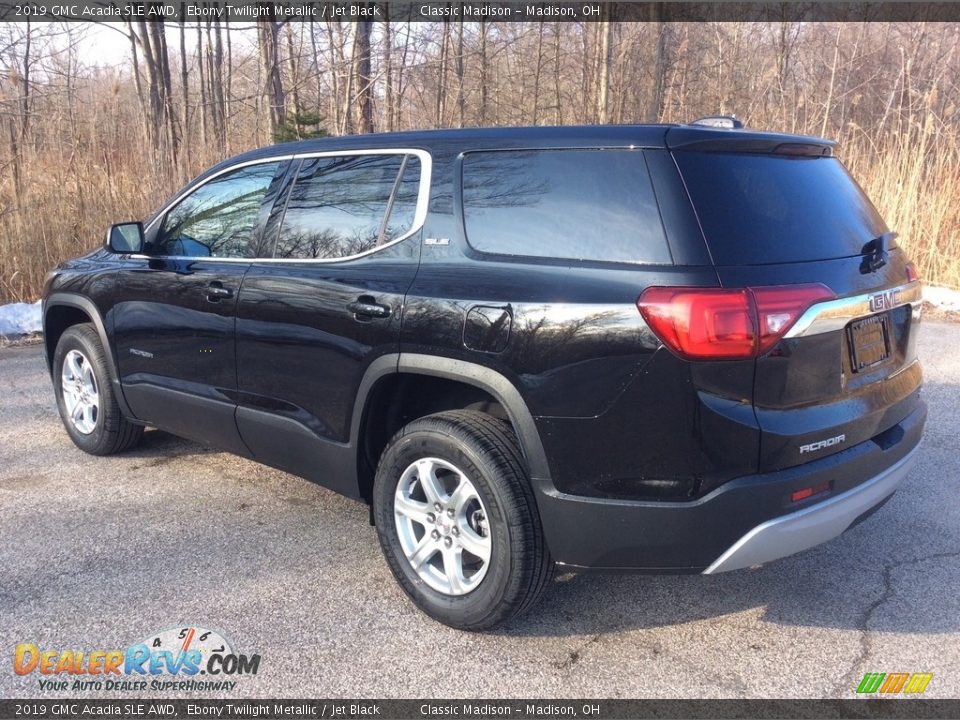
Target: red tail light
{"x": 912, "y": 273}
{"x": 720, "y": 324}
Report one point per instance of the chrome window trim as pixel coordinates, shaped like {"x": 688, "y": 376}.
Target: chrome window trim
{"x": 419, "y": 216}
{"x": 833, "y": 315}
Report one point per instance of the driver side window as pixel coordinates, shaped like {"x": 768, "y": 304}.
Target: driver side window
{"x": 219, "y": 218}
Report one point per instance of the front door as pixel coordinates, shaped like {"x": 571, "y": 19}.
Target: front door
{"x": 175, "y": 315}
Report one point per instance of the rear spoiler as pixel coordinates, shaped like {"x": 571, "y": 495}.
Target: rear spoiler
{"x": 706, "y": 139}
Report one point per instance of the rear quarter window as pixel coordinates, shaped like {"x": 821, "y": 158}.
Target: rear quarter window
{"x": 594, "y": 205}
{"x": 766, "y": 209}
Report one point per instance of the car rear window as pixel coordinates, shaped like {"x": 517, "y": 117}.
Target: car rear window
{"x": 569, "y": 204}
{"x": 765, "y": 209}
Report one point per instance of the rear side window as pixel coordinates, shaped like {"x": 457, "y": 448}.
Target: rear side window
{"x": 764, "y": 209}
{"x": 347, "y": 205}
{"x": 569, "y": 204}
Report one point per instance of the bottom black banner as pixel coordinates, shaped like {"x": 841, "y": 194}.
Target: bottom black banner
{"x": 440, "y": 709}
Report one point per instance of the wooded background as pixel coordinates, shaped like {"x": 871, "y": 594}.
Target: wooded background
{"x": 83, "y": 145}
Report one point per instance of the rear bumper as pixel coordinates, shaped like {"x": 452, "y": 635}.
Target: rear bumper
{"x": 804, "y": 529}
{"x": 745, "y": 522}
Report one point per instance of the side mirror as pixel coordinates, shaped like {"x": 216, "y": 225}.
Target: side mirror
{"x": 125, "y": 238}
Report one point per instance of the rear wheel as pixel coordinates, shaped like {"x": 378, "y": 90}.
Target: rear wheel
{"x": 457, "y": 520}
{"x": 85, "y": 398}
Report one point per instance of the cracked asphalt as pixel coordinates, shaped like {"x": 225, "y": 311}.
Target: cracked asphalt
{"x": 98, "y": 553}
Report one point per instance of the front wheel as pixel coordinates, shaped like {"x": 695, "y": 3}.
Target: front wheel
{"x": 457, "y": 520}
{"x": 85, "y": 398}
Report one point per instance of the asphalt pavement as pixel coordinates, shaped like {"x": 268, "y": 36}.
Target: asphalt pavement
{"x": 99, "y": 553}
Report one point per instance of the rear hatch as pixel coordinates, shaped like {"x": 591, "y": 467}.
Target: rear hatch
{"x": 783, "y": 211}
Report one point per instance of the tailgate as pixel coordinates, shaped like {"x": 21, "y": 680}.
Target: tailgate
{"x": 846, "y": 370}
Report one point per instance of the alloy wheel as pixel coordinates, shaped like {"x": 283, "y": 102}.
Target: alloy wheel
{"x": 442, "y": 525}
{"x": 80, "y": 395}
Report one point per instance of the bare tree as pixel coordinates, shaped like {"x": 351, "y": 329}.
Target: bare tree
{"x": 655, "y": 106}
{"x": 364, "y": 76}
{"x": 388, "y": 68}
{"x": 273, "y": 94}
{"x": 603, "y": 64}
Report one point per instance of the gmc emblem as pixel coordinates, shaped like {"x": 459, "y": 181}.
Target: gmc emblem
{"x": 884, "y": 300}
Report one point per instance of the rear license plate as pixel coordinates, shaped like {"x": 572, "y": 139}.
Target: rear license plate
{"x": 869, "y": 341}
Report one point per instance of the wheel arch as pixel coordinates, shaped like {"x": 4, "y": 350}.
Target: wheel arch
{"x": 484, "y": 379}
{"x": 61, "y": 311}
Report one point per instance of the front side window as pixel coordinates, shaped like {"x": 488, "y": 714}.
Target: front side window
{"x": 347, "y": 205}
{"x": 571, "y": 204}
{"x": 219, "y": 218}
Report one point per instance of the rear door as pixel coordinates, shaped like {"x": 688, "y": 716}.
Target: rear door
{"x": 174, "y": 319}
{"x": 327, "y": 304}
{"x": 847, "y": 370}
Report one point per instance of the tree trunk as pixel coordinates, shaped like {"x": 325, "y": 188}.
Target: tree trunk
{"x": 227, "y": 89}
{"x": 273, "y": 93}
{"x": 293, "y": 68}
{"x": 655, "y": 106}
{"x": 215, "y": 53}
{"x": 603, "y": 81}
{"x": 364, "y": 77}
{"x": 461, "y": 100}
{"x": 138, "y": 83}
{"x": 204, "y": 99}
{"x": 441, "y": 105}
{"x": 558, "y": 112}
{"x": 346, "y": 115}
{"x": 833, "y": 75}
{"x": 401, "y": 85}
{"x": 167, "y": 114}
{"x": 537, "y": 73}
{"x": 24, "y": 93}
{"x": 484, "y": 73}
{"x": 184, "y": 87}
{"x": 388, "y": 65}
{"x": 335, "y": 69}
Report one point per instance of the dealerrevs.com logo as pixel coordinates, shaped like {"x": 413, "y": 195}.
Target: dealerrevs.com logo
{"x": 178, "y": 659}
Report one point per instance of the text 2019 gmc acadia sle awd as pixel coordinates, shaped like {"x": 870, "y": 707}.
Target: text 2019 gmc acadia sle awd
{"x": 658, "y": 348}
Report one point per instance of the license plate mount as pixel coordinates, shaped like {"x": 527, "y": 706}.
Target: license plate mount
{"x": 869, "y": 341}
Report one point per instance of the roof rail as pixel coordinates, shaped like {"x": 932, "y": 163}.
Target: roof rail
{"x": 729, "y": 122}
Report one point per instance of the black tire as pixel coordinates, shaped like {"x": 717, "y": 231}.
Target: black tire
{"x": 112, "y": 433}
{"x": 485, "y": 451}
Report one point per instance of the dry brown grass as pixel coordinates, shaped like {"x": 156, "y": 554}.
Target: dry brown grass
{"x": 68, "y": 206}
{"x": 914, "y": 180}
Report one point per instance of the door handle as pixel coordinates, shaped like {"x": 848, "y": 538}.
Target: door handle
{"x": 365, "y": 307}
{"x": 217, "y": 292}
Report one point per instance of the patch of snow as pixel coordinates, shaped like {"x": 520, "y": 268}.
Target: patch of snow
{"x": 946, "y": 299}
{"x": 20, "y": 319}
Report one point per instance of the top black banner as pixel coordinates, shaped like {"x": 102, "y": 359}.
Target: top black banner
{"x": 530, "y": 11}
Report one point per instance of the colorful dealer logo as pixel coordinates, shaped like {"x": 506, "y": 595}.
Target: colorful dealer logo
{"x": 894, "y": 683}
{"x": 182, "y": 652}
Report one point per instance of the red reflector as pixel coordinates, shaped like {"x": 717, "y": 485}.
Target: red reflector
{"x": 720, "y": 324}
{"x": 809, "y": 492}
{"x": 912, "y": 274}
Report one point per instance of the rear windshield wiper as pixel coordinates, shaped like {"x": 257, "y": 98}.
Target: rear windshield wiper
{"x": 875, "y": 252}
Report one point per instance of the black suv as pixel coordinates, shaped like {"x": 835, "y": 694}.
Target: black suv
{"x": 658, "y": 348}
